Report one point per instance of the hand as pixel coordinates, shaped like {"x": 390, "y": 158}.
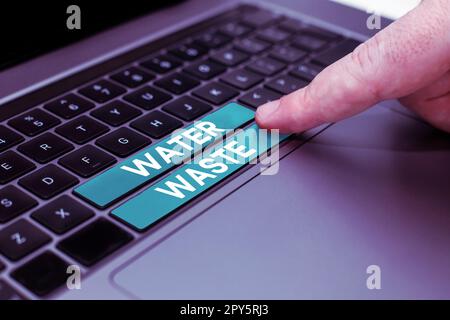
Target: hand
{"x": 409, "y": 60}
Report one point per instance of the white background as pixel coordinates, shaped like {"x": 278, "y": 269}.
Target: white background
{"x": 389, "y": 8}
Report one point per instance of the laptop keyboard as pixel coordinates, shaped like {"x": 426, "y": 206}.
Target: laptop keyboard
{"x": 249, "y": 57}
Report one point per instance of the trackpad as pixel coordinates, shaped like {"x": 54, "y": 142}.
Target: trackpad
{"x": 372, "y": 190}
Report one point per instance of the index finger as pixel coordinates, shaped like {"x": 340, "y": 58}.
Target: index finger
{"x": 400, "y": 59}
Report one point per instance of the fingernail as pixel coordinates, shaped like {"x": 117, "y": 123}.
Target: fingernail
{"x": 266, "y": 110}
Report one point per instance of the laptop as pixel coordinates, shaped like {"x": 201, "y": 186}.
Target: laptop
{"x": 353, "y": 210}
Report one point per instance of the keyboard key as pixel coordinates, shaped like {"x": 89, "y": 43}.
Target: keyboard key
{"x": 128, "y": 175}
{"x": 309, "y": 42}
{"x": 45, "y": 148}
{"x": 156, "y": 124}
{"x": 8, "y": 138}
{"x": 266, "y": 66}
{"x": 252, "y": 45}
{"x": 205, "y": 70}
{"x": 291, "y": 25}
{"x": 177, "y": 83}
{"x": 13, "y": 166}
{"x": 34, "y": 122}
{"x": 242, "y": 79}
{"x": 188, "y": 51}
{"x": 62, "y": 214}
{"x": 42, "y": 274}
{"x": 161, "y": 64}
{"x": 132, "y": 77}
{"x": 229, "y": 57}
{"x": 260, "y": 18}
{"x": 321, "y": 33}
{"x": 20, "y": 239}
{"x": 116, "y": 113}
{"x": 8, "y": 293}
{"x": 95, "y": 241}
{"x": 332, "y": 55}
{"x": 161, "y": 198}
{"x": 273, "y": 34}
{"x": 14, "y": 202}
{"x": 147, "y": 98}
{"x": 48, "y": 181}
{"x": 235, "y": 29}
{"x": 187, "y": 108}
{"x": 102, "y": 91}
{"x": 286, "y": 84}
{"x": 215, "y": 93}
{"x": 123, "y": 142}
{"x": 82, "y": 129}
{"x": 212, "y": 40}
{"x": 306, "y": 71}
{"x": 87, "y": 161}
{"x": 69, "y": 106}
{"x": 287, "y": 54}
{"x": 259, "y": 97}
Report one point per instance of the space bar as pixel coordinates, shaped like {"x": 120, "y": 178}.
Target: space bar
{"x": 140, "y": 169}
{"x": 186, "y": 183}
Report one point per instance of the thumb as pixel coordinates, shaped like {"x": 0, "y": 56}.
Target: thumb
{"x": 399, "y": 60}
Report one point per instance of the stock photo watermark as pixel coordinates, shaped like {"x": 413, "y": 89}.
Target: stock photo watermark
{"x": 373, "y": 22}
{"x": 373, "y": 281}
{"x": 73, "y": 281}
{"x": 73, "y": 21}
